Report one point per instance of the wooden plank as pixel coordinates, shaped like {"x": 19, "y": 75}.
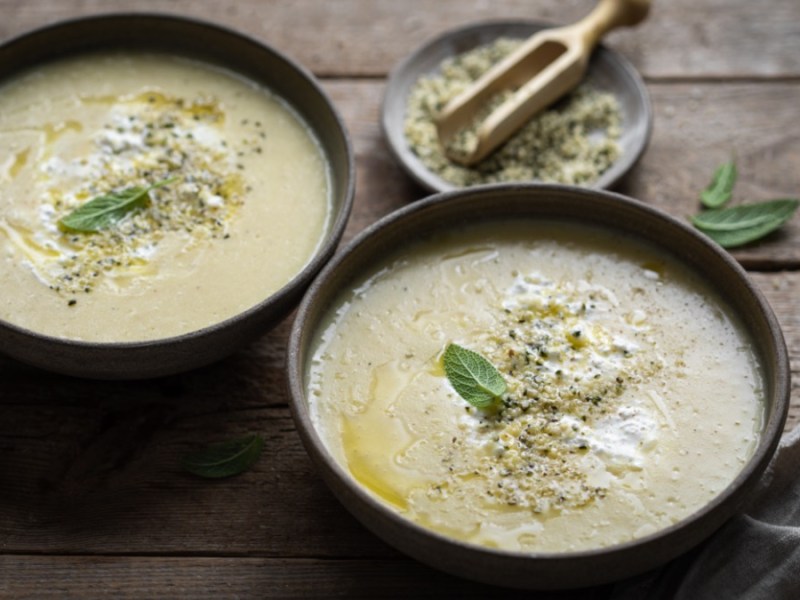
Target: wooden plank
{"x": 197, "y": 578}
{"x": 782, "y": 291}
{"x": 681, "y": 38}
{"x": 699, "y": 126}
{"x": 91, "y": 459}
{"x": 93, "y": 467}
{"x": 96, "y": 468}
{"x": 696, "y": 127}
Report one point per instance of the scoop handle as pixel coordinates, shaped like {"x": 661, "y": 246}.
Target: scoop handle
{"x": 608, "y": 15}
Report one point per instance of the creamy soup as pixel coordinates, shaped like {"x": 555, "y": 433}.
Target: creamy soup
{"x": 632, "y": 395}
{"x": 240, "y": 203}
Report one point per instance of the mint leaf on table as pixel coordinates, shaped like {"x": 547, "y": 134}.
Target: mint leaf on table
{"x": 720, "y": 189}
{"x": 225, "y": 459}
{"x": 105, "y": 210}
{"x": 472, "y": 376}
{"x": 739, "y": 225}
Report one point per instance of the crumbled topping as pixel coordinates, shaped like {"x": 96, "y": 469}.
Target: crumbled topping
{"x": 572, "y": 142}
{"x": 567, "y": 359}
{"x": 149, "y": 138}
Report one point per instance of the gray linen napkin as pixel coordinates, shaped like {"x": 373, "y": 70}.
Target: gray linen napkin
{"x": 755, "y": 555}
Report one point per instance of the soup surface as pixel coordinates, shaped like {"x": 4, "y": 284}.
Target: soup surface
{"x": 240, "y": 203}
{"x": 632, "y": 397}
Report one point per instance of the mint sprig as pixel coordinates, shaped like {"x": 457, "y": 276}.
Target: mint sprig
{"x": 225, "y": 459}
{"x": 103, "y": 211}
{"x": 738, "y": 225}
{"x": 720, "y": 190}
{"x": 472, "y": 376}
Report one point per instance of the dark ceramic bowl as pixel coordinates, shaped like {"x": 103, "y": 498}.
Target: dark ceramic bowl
{"x": 259, "y": 63}
{"x": 616, "y": 213}
{"x": 608, "y": 71}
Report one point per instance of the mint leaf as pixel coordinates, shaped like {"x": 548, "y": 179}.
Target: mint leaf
{"x": 739, "y": 225}
{"x": 103, "y": 211}
{"x": 225, "y": 459}
{"x": 472, "y": 376}
{"x": 720, "y": 189}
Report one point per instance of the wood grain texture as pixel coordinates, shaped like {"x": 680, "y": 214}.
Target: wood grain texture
{"x": 697, "y": 127}
{"x": 213, "y": 578}
{"x": 782, "y": 291}
{"x": 365, "y": 38}
{"x": 92, "y": 500}
{"x": 92, "y": 467}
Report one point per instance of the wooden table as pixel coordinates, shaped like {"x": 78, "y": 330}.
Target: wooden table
{"x": 92, "y": 499}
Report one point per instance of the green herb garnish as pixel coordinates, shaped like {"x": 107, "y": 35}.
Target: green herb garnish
{"x": 720, "y": 189}
{"x": 225, "y": 459}
{"x": 472, "y": 376}
{"x": 103, "y": 211}
{"x": 738, "y": 225}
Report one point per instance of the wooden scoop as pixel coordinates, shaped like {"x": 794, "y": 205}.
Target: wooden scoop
{"x": 547, "y": 65}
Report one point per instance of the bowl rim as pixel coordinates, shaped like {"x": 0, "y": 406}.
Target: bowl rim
{"x": 334, "y": 230}
{"x": 435, "y": 184}
{"x": 321, "y": 295}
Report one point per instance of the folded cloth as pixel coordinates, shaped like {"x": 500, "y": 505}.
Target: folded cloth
{"x": 755, "y": 555}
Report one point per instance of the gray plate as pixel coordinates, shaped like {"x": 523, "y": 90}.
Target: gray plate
{"x": 608, "y": 71}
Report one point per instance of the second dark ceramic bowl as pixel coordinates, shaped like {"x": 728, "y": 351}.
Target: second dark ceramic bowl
{"x": 240, "y": 54}
{"x": 608, "y": 71}
{"x": 450, "y": 211}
